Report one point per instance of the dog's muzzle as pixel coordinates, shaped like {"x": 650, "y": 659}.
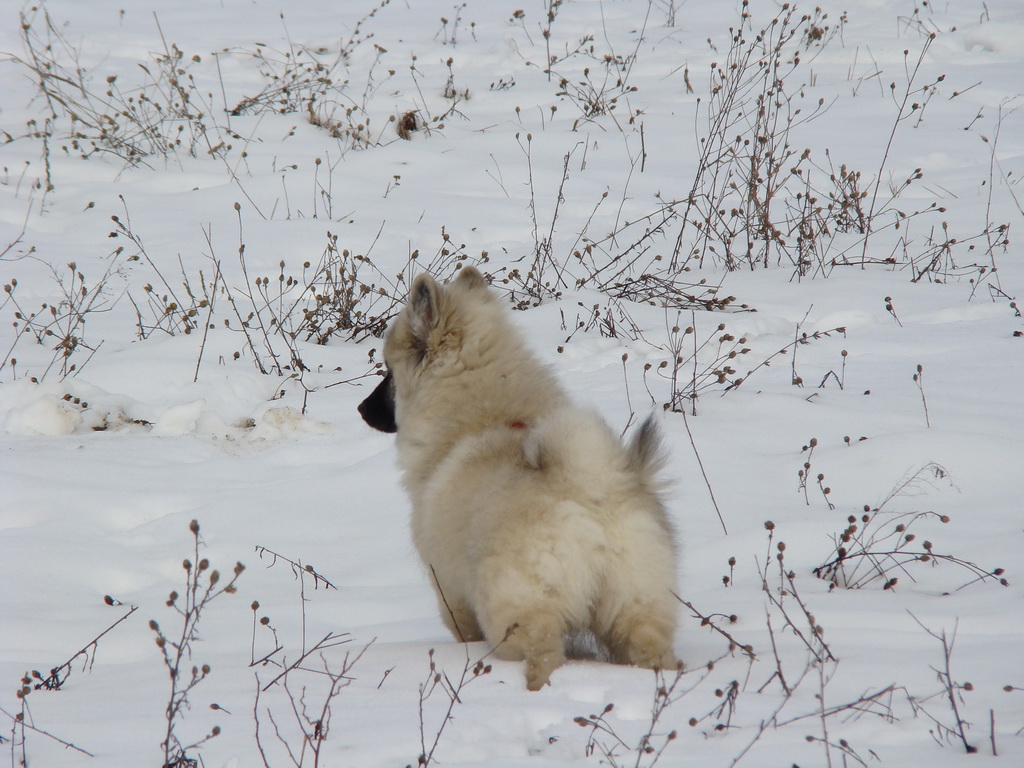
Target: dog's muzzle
{"x": 378, "y": 409}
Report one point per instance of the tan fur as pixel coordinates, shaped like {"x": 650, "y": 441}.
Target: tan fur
{"x": 533, "y": 519}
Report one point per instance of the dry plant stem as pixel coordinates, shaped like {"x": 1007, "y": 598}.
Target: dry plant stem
{"x": 453, "y": 690}
{"x": 770, "y": 721}
{"x": 330, "y": 640}
{"x": 314, "y": 726}
{"x": 243, "y": 323}
{"x": 173, "y": 312}
{"x": 300, "y": 571}
{"x": 946, "y": 678}
{"x": 819, "y": 659}
{"x": 685, "y": 372}
{"x": 533, "y": 283}
{"x": 304, "y": 739}
{"x": 796, "y": 380}
{"x": 629, "y": 402}
{"x": 703, "y": 473}
{"x": 667, "y": 692}
{"x": 267, "y": 658}
{"x": 992, "y": 731}
{"x": 1004, "y": 111}
{"x": 61, "y": 325}
{"x": 739, "y": 183}
{"x": 550, "y": 12}
{"x": 209, "y": 315}
{"x": 764, "y": 725}
{"x": 159, "y": 115}
{"x": 706, "y": 621}
{"x": 19, "y": 724}
{"x": 823, "y": 717}
{"x": 59, "y": 675}
{"x": 775, "y": 652}
{"x": 598, "y": 723}
{"x": 880, "y": 542}
{"x": 329, "y": 298}
{"x": 664, "y": 696}
{"x": 805, "y": 472}
{"x": 451, "y": 614}
{"x": 817, "y": 647}
{"x": 900, "y": 117}
{"x": 297, "y": 80}
{"x": 843, "y": 569}
{"x": 21, "y": 233}
{"x": 878, "y": 703}
{"x": 919, "y": 380}
{"x": 177, "y": 652}
{"x": 841, "y": 746}
{"x": 891, "y": 309}
{"x": 276, "y": 367}
{"x": 804, "y": 338}
{"x": 787, "y": 588}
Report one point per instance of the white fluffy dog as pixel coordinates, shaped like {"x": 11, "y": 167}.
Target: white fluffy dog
{"x": 535, "y": 521}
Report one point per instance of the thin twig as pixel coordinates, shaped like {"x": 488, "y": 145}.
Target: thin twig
{"x": 20, "y": 722}
{"x": 703, "y": 473}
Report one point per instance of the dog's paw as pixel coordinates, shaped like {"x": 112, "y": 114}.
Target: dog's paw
{"x": 539, "y": 669}
{"x": 651, "y": 647}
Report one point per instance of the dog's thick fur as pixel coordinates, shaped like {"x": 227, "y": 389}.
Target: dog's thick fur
{"x": 534, "y": 520}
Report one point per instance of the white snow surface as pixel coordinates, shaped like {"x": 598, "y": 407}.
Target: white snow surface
{"x": 104, "y": 465}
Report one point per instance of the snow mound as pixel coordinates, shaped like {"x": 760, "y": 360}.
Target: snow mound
{"x": 994, "y": 38}
{"x": 47, "y": 415}
{"x": 66, "y": 408}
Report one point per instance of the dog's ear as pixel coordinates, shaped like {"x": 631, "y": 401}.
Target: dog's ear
{"x": 470, "y": 277}
{"x": 424, "y": 306}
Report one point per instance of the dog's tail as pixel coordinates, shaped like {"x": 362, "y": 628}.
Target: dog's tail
{"x": 578, "y": 443}
{"x": 645, "y": 453}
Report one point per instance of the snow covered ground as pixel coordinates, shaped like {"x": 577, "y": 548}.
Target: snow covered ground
{"x": 160, "y": 159}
